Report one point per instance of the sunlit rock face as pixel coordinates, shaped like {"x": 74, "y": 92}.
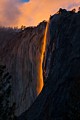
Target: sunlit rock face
{"x": 60, "y": 97}
{"x": 21, "y": 52}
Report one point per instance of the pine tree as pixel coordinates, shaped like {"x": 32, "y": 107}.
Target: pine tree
{"x": 6, "y": 111}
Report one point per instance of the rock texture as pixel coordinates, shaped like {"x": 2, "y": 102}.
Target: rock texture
{"x": 60, "y": 97}
{"x": 21, "y": 52}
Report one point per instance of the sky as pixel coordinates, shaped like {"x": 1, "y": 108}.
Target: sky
{"x": 31, "y": 12}
{"x": 25, "y": 0}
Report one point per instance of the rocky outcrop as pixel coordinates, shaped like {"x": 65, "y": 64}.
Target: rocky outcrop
{"x": 60, "y": 97}
{"x": 21, "y": 52}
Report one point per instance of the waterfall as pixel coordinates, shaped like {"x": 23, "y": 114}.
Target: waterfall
{"x": 41, "y": 82}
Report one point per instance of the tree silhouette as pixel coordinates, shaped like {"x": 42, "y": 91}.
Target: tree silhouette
{"x": 79, "y": 10}
{"x": 23, "y": 27}
{"x": 73, "y": 10}
{"x": 6, "y": 111}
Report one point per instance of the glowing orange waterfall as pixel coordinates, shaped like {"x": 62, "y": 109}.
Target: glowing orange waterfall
{"x": 41, "y": 82}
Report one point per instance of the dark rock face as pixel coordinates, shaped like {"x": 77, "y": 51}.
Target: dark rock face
{"x": 21, "y": 52}
{"x": 60, "y": 97}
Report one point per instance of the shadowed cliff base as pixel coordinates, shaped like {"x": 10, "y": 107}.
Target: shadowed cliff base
{"x": 60, "y": 97}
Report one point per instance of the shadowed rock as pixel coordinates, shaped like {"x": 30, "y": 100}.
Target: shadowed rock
{"x": 60, "y": 97}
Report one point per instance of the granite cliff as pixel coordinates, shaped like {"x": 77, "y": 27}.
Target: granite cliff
{"x": 21, "y": 51}
{"x": 60, "y": 96}
{"x": 53, "y": 72}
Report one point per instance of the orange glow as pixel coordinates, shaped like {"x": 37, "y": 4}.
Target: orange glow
{"x": 41, "y": 82}
{"x": 16, "y": 13}
{"x": 36, "y": 11}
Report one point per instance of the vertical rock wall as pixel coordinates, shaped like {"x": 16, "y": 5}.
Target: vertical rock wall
{"x": 22, "y": 55}
{"x": 60, "y": 97}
